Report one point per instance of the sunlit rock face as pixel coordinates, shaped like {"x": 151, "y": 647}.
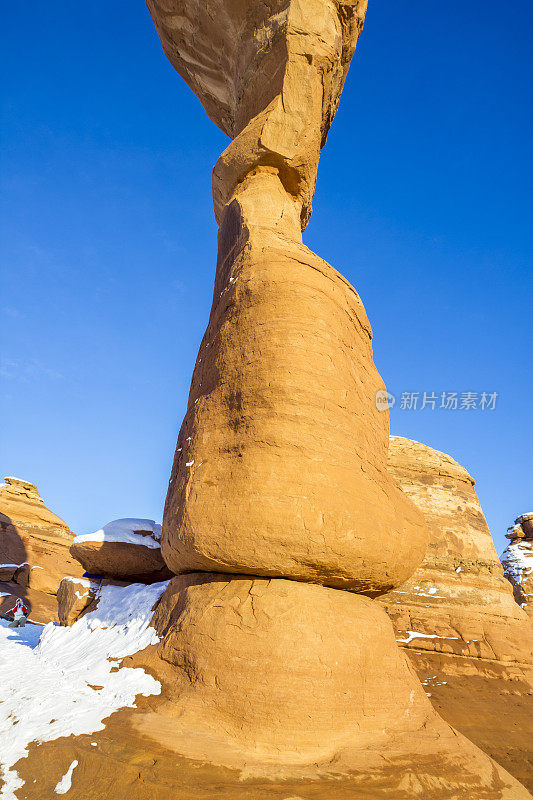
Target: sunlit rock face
{"x": 469, "y": 641}
{"x": 280, "y": 467}
{"x": 269, "y": 74}
{"x": 34, "y": 549}
{"x": 458, "y": 596}
{"x": 273, "y": 682}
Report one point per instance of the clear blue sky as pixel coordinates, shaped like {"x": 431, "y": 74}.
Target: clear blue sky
{"x": 108, "y": 241}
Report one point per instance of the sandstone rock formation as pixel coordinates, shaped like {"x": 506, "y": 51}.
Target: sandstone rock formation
{"x": 266, "y": 478}
{"x": 74, "y": 596}
{"x": 458, "y": 600}
{"x": 34, "y": 548}
{"x": 517, "y": 560}
{"x": 280, "y": 469}
{"x": 126, "y": 549}
{"x": 273, "y": 682}
{"x": 269, "y": 75}
{"x": 471, "y": 645}
{"x": 324, "y": 703}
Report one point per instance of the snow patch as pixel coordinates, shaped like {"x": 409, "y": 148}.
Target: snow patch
{"x": 47, "y": 692}
{"x": 87, "y": 583}
{"x": 517, "y": 560}
{"x": 66, "y": 781}
{"x": 126, "y": 531}
{"x": 416, "y": 635}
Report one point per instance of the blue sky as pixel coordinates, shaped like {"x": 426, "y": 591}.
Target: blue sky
{"x": 108, "y": 241}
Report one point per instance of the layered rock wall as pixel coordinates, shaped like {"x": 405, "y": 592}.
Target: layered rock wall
{"x": 468, "y": 640}
{"x": 458, "y": 600}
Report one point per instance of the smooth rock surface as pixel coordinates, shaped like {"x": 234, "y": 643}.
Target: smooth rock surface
{"x": 489, "y": 701}
{"x": 281, "y": 462}
{"x": 469, "y": 642}
{"x": 333, "y": 692}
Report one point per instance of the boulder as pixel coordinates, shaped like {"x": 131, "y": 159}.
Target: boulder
{"x": 22, "y": 574}
{"x": 127, "y": 549}
{"x": 7, "y": 571}
{"x": 283, "y": 679}
{"x": 74, "y": 596}
{"x": 517, "y": 561}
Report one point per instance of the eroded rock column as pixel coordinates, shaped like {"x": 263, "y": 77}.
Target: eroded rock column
{"x": 280, "y": 494}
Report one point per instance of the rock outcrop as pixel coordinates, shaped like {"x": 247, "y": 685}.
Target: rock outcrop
{"x": 125, "y": 549}
{"x": 74, "y": 596}
{"x": 34, "y": 548}
{"x": 517, "y": 560}
{"x": 458, "y": 600}
{"x": 267, "y": 479}
{"x": 281, "y": 464}
{"x": 471, "y": 645}
{"x": 280, "y": 467}
{"x": 269, "y": 75}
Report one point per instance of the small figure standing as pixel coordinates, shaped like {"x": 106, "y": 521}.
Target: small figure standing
{"x": 20, "y": 614}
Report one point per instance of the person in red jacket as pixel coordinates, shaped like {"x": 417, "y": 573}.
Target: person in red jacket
{"x": 20, "y": 614}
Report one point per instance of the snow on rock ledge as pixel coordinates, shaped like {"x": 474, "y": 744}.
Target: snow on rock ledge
{"x": 144, "y": 532}
{"x": 517, "y": 561}
{"x": 125, "y": 549}
{"x": 47, "y": 692}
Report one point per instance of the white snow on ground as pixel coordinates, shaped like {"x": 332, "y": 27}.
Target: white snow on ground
{"x": 127, "y": 532}
{"x": 66, "y": 781}
{"x": 50, "y": 687}
{"x": 416, "y": 635}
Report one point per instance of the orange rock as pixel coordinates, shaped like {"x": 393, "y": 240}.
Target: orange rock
{"x": 269, "y": 75}
{"x": 127, "y": 549}
{"x": 286, "y": 679}
{"x": 73, "y": 597}
{"x": 280, "y": 468}
{"x": 469, "y": 642}
{"x": 36, "y": 541}
{"x": 458, "y": 600}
